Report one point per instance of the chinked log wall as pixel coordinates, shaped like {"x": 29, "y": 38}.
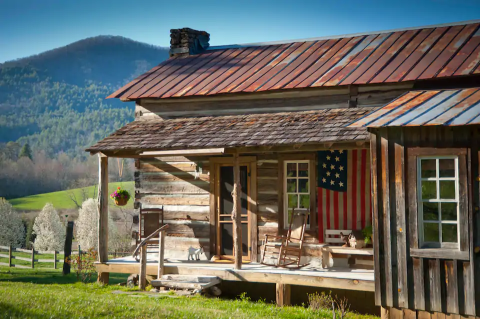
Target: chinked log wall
{"x": 171, "y": 182}
{"x": 305, "y": 100}
{"x": 407, "y": 286}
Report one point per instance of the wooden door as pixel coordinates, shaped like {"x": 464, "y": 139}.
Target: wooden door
{"x": 224, "y": 206}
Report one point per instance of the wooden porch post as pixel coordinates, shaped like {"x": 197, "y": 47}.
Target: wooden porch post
{"x": 103, "y": 214}
{"x": 237, "y": 213}
{"x": 283, "y": 294}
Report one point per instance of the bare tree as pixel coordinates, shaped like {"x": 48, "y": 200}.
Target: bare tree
{"x": 343, "y": 306}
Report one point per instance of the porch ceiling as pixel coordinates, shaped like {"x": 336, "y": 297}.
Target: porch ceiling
{"x": 273, "y": 129}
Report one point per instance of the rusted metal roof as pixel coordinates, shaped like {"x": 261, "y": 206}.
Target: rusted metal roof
{"x": 383, "y": 57}
{"x": 423, "y": 108}
{"x": 273, "y": 129}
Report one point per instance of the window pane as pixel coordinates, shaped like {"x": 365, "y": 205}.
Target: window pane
{"x": 304, "y": 201}
{"x": 291, "y": 185}
{"x": 449, "y": 233}
{"x": 291, "y": 169}
{"x": 429, "y": 168}
{"x": 293, "y": 200}
{"x": 430, "y": 211}
{"x": 429, "y": 190}
{"x": 430, "y": 232}
{"x": 447, "y": 167}
{"x": 447, "y": 189}
{"x": 449, "y": 211}
{"x": 303, "y": 169}
{"x": 303, "y": 185}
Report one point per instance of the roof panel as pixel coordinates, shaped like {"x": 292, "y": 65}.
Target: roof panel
{"x": 446, "y": 107}
{"x": 462, "y": 54}
{"x": 403, "y": 55}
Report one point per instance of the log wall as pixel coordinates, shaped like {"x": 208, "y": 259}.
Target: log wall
{"x": 404, "y": 279}
{"x": 172, "y": 182}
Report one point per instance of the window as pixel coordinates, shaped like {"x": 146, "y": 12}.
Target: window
{"x": 296, "y": 188}
{"x": 438, "y": 201}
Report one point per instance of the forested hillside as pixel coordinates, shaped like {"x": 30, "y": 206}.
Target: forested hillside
{"x": 55, "y": 102}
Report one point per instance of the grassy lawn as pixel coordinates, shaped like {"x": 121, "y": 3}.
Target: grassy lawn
{"x": 61, "y": 200}
{"x": 42, "y": 293}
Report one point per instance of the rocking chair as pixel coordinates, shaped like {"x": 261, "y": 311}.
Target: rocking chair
{"x": 287, "y": 249}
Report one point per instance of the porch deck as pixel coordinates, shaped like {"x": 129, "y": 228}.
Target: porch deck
{"x": 310, "y": 275}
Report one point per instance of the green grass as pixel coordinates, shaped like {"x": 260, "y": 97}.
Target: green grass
{"x": 61, "y": 200}
{"x": 26, "y": 293}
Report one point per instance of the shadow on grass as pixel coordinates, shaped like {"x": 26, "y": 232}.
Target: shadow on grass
{"x": 9, "y": 311}
{"x": 51, "y": 277}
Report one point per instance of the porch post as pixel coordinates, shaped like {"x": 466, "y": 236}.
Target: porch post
{"x": 103, "y": 214}
{"x": 237, "y": 213}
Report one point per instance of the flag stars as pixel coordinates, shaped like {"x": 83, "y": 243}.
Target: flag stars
{"x": 324, "y": 165}
{"x": 337, "y": 159}
{"x": 332, "y": 182}
{"x": 341, "y": 151}
{"x": 337, "y": 175}
{"x": 324, "y": 180}
{"x": 328, "y": 158}
{"x": 332, "y": 167}
{"x": 340, "y": 184}
{"x": 341, "y": 168}
{"x": 328, "y": 173}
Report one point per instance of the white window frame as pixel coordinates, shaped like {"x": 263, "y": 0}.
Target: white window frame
{"x": 420, "y": 200}
{"x": 285, "y": 193}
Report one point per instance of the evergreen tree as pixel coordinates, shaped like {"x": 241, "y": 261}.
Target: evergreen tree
{"x": 30, "y": 235}
{"x": 26, "y": 151}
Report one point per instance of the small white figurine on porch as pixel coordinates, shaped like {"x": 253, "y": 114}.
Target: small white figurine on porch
{"x": 195, "y": 253}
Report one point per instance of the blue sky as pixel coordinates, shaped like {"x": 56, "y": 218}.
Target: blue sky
{"x": 32, "y": 26}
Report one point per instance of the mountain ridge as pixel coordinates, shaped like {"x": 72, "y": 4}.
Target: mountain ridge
{"x": 55, "y": 100}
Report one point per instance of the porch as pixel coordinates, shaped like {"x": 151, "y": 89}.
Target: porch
{"x": 310, "y": 275}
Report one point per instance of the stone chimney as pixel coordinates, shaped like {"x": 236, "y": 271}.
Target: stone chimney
{"x": 186, "y": 41}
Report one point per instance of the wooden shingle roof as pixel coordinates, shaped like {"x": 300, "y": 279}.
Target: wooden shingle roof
{"x": 273, "y": 129}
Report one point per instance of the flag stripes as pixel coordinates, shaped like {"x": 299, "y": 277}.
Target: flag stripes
{"x": 350, "y": 209}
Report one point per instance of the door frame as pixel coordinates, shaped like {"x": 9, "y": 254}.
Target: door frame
{"x": 215, "y": 163}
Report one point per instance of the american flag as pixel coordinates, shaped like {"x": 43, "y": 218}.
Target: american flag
{"x": 344, "y": 200}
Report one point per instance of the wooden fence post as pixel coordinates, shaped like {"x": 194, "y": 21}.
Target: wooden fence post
{"x": 10, "y": 256}
{"x": 33, "y": 257}
{"x": 237, "y": 213}
{"x": 67, "y": 249}
{"x": 55, "y": 259}
{"x": 79, "y": 251}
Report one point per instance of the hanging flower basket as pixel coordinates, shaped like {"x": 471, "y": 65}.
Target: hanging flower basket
{"x": 121, "y": 201}
{"x": 120, "y": 196}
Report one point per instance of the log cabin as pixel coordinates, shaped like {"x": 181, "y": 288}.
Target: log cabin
{"x": 265, "y": 129}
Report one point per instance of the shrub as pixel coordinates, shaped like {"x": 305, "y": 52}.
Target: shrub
{"x": 318, "y": 301}
{"x": 83, "y": 264}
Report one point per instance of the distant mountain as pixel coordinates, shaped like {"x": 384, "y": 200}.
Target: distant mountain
{"x": 56, "y": 100}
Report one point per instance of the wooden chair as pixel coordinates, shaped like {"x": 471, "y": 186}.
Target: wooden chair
{"x": 287, "y": 249}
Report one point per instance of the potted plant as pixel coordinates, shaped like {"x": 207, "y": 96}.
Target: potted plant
{"x": 367, "y": 233}
{"x": 120, "y": 196}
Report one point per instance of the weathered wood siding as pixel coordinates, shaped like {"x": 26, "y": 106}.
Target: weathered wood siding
{"x": 171, "y": 182}
{"x": 306, "y": 100}
{"x": 439, "y": 284}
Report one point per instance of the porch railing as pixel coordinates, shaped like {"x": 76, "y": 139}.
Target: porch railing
{"x": 142, "y": 249}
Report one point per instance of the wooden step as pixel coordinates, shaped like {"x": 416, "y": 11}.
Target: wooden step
{"x": 186, "y": 282}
